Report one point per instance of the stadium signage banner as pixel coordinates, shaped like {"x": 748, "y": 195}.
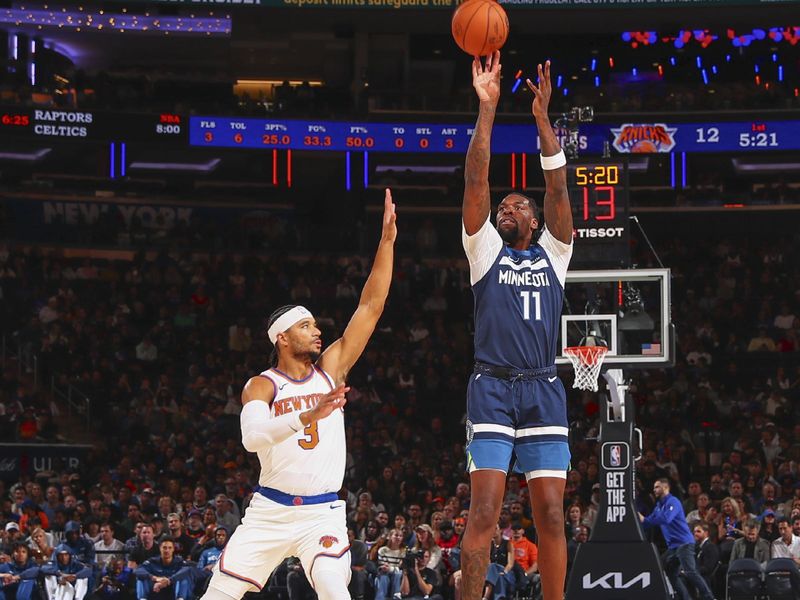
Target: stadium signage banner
{"x": 438, "y": 4}
{"x": 47, "y": 220}
{"x": 31, "y": 459}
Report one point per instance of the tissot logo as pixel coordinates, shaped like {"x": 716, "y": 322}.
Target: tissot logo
{"x": 614, "y": 581}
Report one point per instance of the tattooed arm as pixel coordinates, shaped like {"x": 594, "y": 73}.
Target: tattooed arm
{"x": 476, "y": 206}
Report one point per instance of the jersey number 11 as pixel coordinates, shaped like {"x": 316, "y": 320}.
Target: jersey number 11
{"x": 526, "y": 305}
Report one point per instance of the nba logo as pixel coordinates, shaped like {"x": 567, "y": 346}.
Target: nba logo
{"x": 614, "y": 456}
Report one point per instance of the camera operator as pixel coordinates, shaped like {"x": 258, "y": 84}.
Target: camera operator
{"x": 419, "y": 582}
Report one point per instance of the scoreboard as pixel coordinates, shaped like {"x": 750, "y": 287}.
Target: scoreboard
{"x": 433, "y": 137}
{"x": 624, "y": 138}
{"x": 54, "y": 123}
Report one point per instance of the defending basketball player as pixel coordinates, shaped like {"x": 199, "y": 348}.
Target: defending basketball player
{"x": 293, "y": 418}
{"x": 516, "y": 405}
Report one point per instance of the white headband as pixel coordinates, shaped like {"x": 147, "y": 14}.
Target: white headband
{"x": 286, "y": 320}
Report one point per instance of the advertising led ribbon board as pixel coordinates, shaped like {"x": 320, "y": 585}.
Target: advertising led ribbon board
{"x": 52, "y": 125}
{"x": 444, "y": 4}
{"x": 625, "y": 138}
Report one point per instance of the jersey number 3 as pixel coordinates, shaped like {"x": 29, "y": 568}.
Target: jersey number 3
{"x": 527, "y": 298}
{"x": 312, "y": 437}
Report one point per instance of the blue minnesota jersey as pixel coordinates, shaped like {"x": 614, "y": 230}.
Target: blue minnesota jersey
{"x": 518, "y": 298}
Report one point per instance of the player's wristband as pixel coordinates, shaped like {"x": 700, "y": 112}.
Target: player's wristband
{"x": 556, "y": 161}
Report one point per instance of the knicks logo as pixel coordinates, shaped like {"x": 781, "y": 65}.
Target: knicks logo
{"x": 326, "y": 541}
{"x": 643, "y": 138}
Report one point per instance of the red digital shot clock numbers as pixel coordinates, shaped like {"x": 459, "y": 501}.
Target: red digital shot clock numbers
{"x": 599, "y": 198}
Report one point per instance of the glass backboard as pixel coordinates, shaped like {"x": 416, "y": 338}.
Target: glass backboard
{"x": 627, "y": 309}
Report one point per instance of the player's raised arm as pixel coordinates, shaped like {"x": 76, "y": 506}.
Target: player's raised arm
{"x": 476, "y": 206}
{"x": 340, "y": 356}
{"x": 557, "y": 211}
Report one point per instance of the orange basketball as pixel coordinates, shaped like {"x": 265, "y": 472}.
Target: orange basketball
{"x": 479, "y": 27}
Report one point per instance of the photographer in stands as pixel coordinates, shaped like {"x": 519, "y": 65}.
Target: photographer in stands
{"x": 418, "y": 580}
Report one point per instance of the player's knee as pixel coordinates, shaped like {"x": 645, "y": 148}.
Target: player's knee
{"x": 225, "y": 587}
{"x": 552, "y": 520}
{"x": 483, "y": 516}
{"x": 330, "y": 578}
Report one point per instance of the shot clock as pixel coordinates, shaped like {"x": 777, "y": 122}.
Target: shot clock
{"x": 599, "y": 197}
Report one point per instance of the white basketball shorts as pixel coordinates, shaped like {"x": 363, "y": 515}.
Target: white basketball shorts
{"x": 271, "y": 532}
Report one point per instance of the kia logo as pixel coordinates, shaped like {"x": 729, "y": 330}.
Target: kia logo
{"x": 614, "y": 581}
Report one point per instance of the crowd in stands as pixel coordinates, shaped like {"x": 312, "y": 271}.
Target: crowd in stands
{"x": 650, "y": 79}
{"x": 162, "y": 344}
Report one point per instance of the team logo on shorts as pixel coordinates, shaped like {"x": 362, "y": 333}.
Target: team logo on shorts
{"x": 326, "y": 541}
{"x": 643, "y": 138}
{"x": 470, "y": 432}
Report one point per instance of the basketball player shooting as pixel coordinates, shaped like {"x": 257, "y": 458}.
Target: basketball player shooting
{"x": 293, "y": 418}
{"x": 516, "y": 404}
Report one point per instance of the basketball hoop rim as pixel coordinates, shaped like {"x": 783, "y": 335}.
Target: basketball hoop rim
{"x": 587, "y": 355}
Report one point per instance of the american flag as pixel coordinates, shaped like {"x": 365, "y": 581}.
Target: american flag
{"x": 651, "y": 349}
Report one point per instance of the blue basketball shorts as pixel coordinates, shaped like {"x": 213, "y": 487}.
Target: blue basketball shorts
{"x": 519, "y": 424}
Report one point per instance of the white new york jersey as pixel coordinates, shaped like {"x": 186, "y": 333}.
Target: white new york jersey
{"x": 311, "y": 461}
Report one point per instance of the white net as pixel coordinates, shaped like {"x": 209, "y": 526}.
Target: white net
{"x": 586, "y": 360}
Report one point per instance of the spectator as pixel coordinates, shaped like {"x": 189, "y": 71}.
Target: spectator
{"x": 382, "y": 521}
{"x": 761, "y": 343}
{"x": 371, "y": 535}
{"x": 706, "y": 553}
{"x": 52, "y": 503}
{"x": 701, "y": 512}
{"x": 298, "y": 587}
{"x": 752, "y": 545}
{"x": 581, "y": 537}
{"x": 390, "y": 561}
{"x": 459, "y": 526}
{"x": 500, "y": 579}
{"x": 49, "y": 312}
{"x": 785, "y": 319}
{"x": 41, "y": 546}
{"x": 518, "y": 514}
{"x": 146, "y": 351}
{"x": 133, "y": 516}
{"x": 65, "y": 577}
{"x": 573, "y": 520}
{"x": 18, "y": 575}
{"x": 359, "y": 576}
{"x": 419, "y": 581}
{"x": 31, "y": 510}
{"x": 115, "y": 582}
{"x": 225, "y": 514}
{"x": 526, "y": 555}
{"x": 769, "y": 527}
{"x": 729, "y": 526}
{"x": 194, "y": 526}
{"x": 451, "y": 551}
{"x": 145, "y": 547}
{"x": 164, "y": 577}
{"x": 693, "y": 490}
{"x": 239, "y": 337}
{"x": 107, "y": 548}
{"x": 181, "y": 542}
{"x": 788, "y": 545}
{"x": 210, "y": 556}
{"x": 80, "y": 548}
{"x": 425, "y": 541}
